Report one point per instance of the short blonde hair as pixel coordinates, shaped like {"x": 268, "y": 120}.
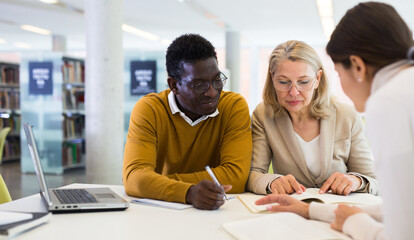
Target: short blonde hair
{"x": 294, "y": 50}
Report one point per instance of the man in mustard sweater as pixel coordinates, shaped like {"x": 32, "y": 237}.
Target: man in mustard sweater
{"x": 174, "y": 134}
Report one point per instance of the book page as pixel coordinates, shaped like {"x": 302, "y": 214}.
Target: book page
{"x": 249, "y": 200}
{"x": 164, "y": 204}
{"x": 281, "y": 226}
{"x": 11, "y": 217}
{"x": 159, "y": 203}
{"x": 12, "y": 229}
{"x": 329, "y": 198}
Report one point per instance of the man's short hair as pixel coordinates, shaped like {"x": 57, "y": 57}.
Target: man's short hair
{"x": 187, "y": 48}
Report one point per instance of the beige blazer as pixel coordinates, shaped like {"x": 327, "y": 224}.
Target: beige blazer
{"x": 344, "y": 149}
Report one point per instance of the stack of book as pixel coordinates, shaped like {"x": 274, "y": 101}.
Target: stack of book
{"x": 14, "y": 223}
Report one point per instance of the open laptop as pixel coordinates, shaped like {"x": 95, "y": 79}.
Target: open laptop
{"x": 67, "y": 200}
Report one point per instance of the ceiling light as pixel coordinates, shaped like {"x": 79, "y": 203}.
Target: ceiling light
{"x": 49, "y": 1}
{"x": 2, "y": 40}
{"x": 328, "y": 26}
{"x": 139, "y": 32}
{"x": 326, "y": 15}
{"x": 34, "y": 29}
{"x": 22, "y": 45}
{"x": 325, "y": 8}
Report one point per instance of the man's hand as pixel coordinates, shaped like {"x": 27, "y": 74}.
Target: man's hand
{"x": 206, "y": 195}
{"x": 286, "y": 185}
{"x": 341, "y": 184}
{"x": 286, "y": 204}
{"x": 341, "y": 214}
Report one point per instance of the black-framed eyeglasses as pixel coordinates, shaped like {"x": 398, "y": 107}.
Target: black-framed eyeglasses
{"x": 202, "y": 87}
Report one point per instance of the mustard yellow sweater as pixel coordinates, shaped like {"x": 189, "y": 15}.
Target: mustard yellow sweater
{"x": 164, "y": 155}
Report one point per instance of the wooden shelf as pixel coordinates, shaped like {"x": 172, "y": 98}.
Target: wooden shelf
{"x": 78, "y": 165}
{"x": 12, "y": 86}
{"x": 9, "y": 159}
{"x": 69, "y": 112}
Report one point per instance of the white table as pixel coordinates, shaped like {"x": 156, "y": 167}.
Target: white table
{"x": 136, "y": 222}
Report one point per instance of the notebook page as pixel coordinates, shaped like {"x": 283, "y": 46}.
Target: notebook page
{"x": 280, "y": 226}
{"x": 248, "y": 201}
{"x": 159, "y": 203}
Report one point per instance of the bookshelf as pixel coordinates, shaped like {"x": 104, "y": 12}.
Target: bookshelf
{"x": 10, "y": 109}
{"x": 58, "y": 114}
{"x": 73, "y": 103}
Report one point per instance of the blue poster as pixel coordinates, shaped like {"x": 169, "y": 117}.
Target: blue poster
{"x": 40, "y": 78}
{"x": 143, "y": 77}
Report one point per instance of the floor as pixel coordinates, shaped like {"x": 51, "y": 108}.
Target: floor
{"x": 22, "y": 185}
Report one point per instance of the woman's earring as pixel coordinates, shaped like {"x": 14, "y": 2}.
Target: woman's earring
{"x": 359, "y": 80}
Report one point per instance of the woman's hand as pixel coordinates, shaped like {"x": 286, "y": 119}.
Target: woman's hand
{"x": 286, "y": 185}
{"x": 341, "y": 214}
{"x": 341, "y": 184}
{"x": 286, "y": 204}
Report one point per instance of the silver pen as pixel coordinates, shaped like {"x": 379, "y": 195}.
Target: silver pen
{"x": 208, "y": 169}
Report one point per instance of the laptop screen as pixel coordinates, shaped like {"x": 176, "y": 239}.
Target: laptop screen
{"x": 36, "y": 161}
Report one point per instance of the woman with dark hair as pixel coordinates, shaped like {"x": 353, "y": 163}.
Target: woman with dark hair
{"x": 373, "y": 51}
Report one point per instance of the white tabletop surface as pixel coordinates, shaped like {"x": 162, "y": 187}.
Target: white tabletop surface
{"x": 136, "y": 222}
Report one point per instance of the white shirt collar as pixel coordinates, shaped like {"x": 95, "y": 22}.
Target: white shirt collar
{"x": 387, "y": 73}
{"x": 174, "y": 109}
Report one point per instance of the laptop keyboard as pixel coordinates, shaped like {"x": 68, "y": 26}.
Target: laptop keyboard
{"x": 74, "y": 196}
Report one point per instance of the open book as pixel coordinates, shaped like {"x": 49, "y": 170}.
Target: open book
{"x": 249, "y": 199}
{"x": 312, "y": 194}
{"x": 14, "y": 223}
{"x": 281, "y": 226}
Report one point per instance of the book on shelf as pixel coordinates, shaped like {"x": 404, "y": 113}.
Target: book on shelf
{"x": 9, "y": 74}
{"x": 281, "y": 226}
{"x": 11, "y": 149}
{"x": 312, "y": 194}
{"x": 9, "y": 98}
{"x": 15, "y": 100}
{"x": 73, "y": 98}
{"x": 73, "y": 126}
{"x": 73, "y": 71}
{"x": 72, "y": 153}
{"x": 12, "y": 121}
{"x": 14, "y": 223}
{"x": 5, "y": 95}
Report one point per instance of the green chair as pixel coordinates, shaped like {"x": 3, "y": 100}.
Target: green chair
{"x": 3, "y": 135}
{"x": 4, "y": 192}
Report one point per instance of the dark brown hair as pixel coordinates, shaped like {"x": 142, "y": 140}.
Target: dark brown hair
{"x": 373, "y": 31}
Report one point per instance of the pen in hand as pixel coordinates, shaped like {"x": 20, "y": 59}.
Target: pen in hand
{"x": 208, "y": 169}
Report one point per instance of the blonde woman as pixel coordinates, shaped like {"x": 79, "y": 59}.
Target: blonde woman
{"x": 311, "y": 140}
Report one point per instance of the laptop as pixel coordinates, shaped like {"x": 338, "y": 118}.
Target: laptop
{"x": 71, "y": 200}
